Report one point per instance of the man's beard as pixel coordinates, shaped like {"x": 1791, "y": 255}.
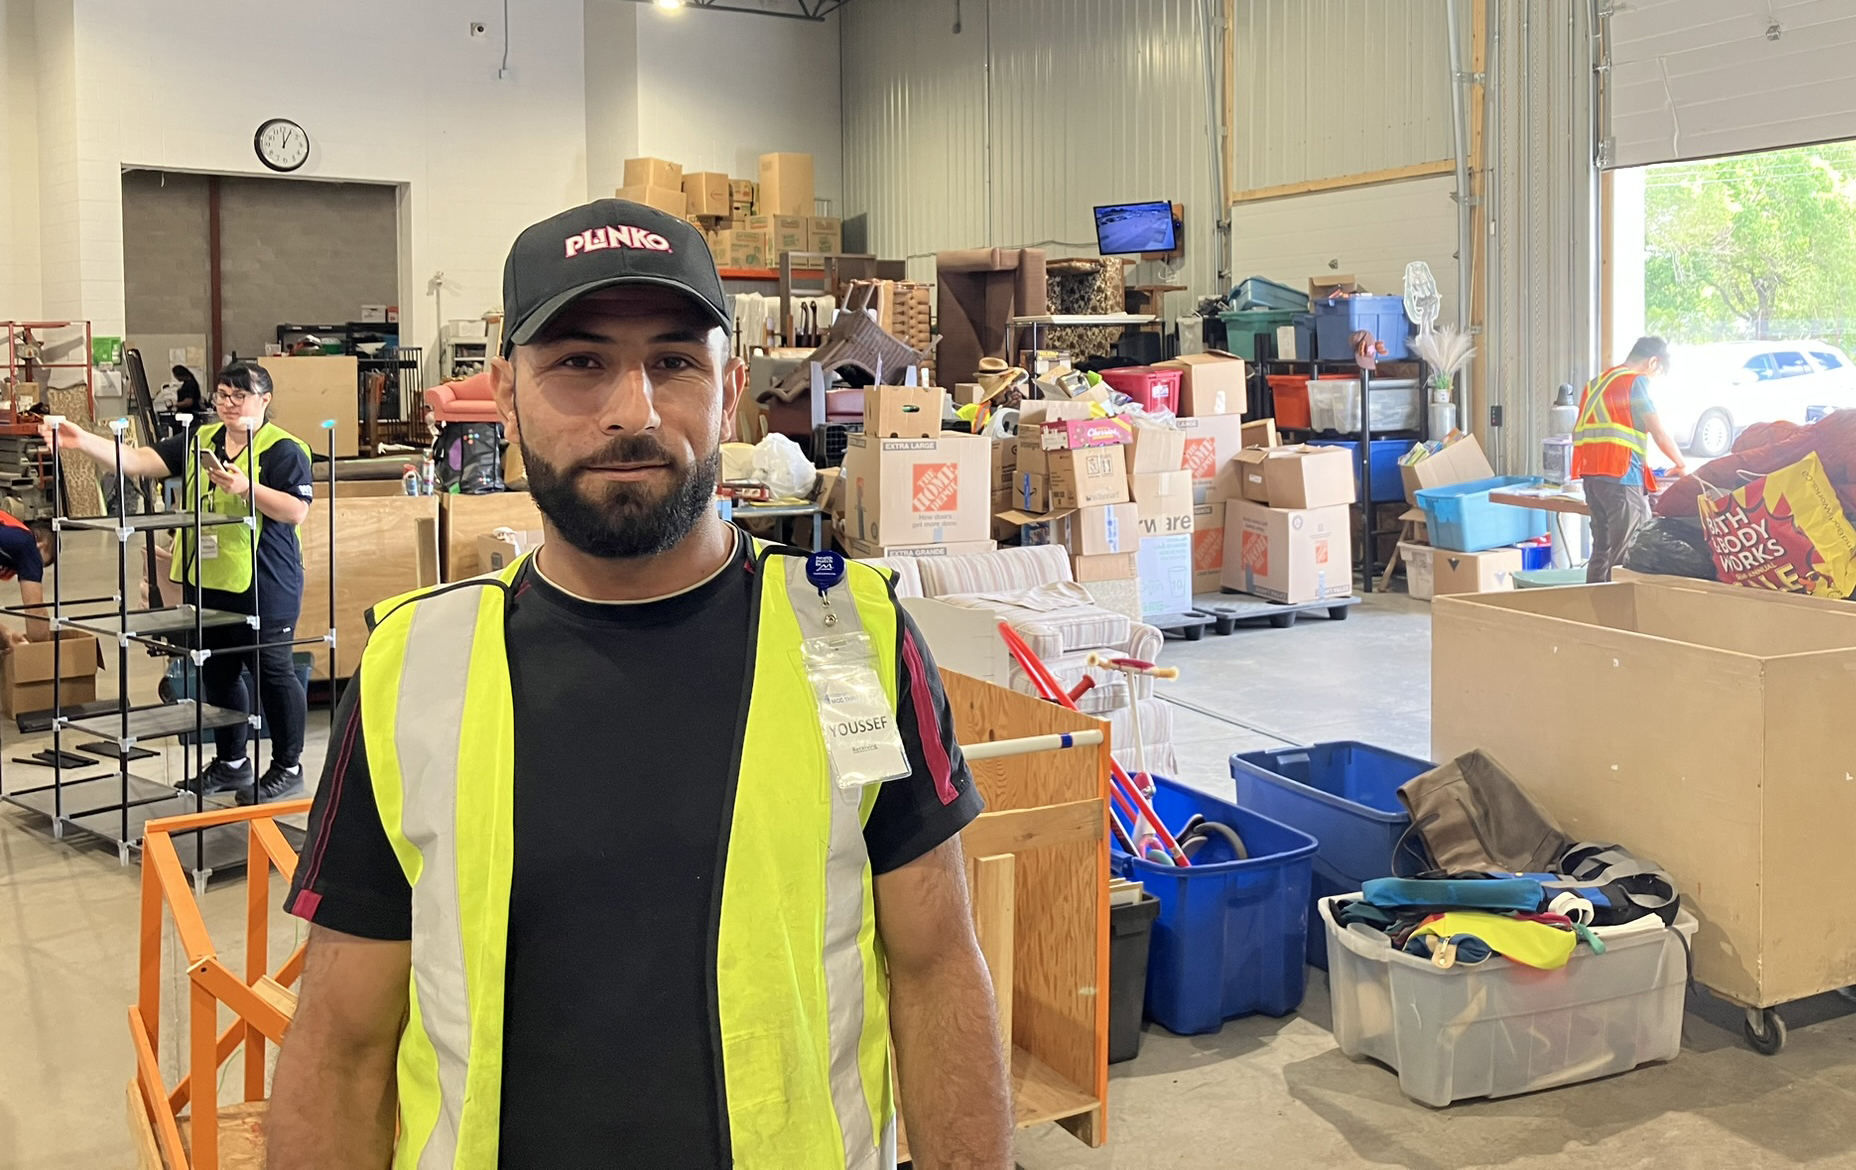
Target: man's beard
{"x": 623, "y": 520}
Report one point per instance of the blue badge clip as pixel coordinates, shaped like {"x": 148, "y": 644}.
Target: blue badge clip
{"x": 824, "y": 570}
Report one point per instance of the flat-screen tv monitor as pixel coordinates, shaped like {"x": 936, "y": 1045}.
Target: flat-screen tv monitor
{"x": 1123, "y": 229}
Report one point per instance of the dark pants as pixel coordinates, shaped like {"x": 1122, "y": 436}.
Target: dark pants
{"x": 280, "y": 692}
{"x": 1618, "y": 510}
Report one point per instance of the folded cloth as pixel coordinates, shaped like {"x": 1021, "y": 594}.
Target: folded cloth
{"x": 1534, "y": 944}
{"x": 1521, "y": 895}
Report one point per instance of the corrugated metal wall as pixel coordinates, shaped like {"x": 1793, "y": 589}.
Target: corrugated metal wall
{"x": 1326, "y": 88}
{"x": 1010, "y": 132}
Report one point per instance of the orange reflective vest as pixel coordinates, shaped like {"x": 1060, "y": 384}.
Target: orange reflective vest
{"x": 1607, "y": 434}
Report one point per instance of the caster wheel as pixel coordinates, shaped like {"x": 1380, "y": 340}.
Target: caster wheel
{"x": 1282, "y": 621}
{"x": 1338, "y": 613}
{"x": 1225, "y": 627}
{"x": 1193, "y": 633}
{"x": 1765, "y": 1031}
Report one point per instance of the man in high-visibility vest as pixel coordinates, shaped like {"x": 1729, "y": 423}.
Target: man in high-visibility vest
{"x": 641, "y": 851}
{"x": 1616, "y": 422}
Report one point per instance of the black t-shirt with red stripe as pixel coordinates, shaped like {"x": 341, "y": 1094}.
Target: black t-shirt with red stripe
{"x": 625, "y": 727}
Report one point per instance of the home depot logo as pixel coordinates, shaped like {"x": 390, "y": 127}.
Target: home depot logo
{"x": 1257, "y": 553}
{"x": 1207, "y": 550}
{"x": 1202, "y": 458}
{"x": 937, "y": 487}
{"x": 616, "y": 236}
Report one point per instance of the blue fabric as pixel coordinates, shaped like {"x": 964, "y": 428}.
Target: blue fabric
{"x": 1594, "y": 894}
{"x": 1640, "y": 408}
{"x": 1470, "y": 950}
{"x": 19, "y": 552}
{"x": 1518, "y": 895}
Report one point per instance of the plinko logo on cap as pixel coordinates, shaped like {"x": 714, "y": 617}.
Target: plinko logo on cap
{"x": 617, "y": 236}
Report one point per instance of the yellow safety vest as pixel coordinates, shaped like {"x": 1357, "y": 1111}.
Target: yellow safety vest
{"x": 229, "y": 566}
{"x": 802, "y": 992}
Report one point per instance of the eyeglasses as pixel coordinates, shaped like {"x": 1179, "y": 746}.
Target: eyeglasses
{"x": 232, "y": 397}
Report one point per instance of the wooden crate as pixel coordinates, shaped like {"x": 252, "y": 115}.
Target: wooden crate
{"x": 309, "y": 390}
{"x": 462, "y": 519}
{"x": 385, "y": 545}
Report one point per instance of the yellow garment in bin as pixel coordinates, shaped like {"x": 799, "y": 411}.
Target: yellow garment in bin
{"x": 1534, "y": 944}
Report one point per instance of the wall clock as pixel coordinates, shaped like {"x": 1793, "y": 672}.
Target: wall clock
{"x": 282, "y": 145}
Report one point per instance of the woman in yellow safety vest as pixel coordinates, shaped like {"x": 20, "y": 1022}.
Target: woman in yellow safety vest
{"x": 237, "y": 569}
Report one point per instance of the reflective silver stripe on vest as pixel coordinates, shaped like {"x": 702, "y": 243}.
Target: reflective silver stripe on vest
{"x": 845, "y": 864}
{"x": 433, "y": 682}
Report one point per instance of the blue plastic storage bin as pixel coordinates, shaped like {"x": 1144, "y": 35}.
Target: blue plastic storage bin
{"x": 1232, "y": 935}
{"x": 1535, "y": 557}
{"x": 1259, "y": 293}
{"x": 1304, "y": 336}
{"x": 1462, "y": 518}
{"x": 1383, "y": 317}
{"x": 1344, "y": 795}
{"x": 1388, "y": 482}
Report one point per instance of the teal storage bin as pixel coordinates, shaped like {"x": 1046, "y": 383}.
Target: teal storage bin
{"x": 1231, "y": 935}
{"x": 1242, "y": 329}
{"x": 1259, "y": 293}
{"x": 1462, "y": 518}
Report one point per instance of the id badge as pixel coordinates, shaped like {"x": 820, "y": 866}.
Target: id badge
{"x": 859, "y": 725}
{"x": 209, "y": 546}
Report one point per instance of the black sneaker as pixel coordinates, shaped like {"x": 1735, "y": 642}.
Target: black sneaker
{"x": 222, "y": 777}
{"x": 276, "y": 784}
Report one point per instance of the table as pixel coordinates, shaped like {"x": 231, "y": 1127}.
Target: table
{"x": 1058, "y": 320}
{"x": 1568, "y": 500}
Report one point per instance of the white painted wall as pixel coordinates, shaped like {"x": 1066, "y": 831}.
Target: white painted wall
{"x": 1371, "y": 232}
{"x": 716, "y": 90}
{"x": 611, "y": 61}
{"x": 19, "y": 147}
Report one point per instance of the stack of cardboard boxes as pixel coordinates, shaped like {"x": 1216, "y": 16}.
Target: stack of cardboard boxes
{"x": 748, "y": 224}
{"x": 1289, "y": 537}
{"x": 1430, "y": 572}
{"x": 909, "y": 488}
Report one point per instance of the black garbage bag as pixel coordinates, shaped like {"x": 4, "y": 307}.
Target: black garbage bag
{"x": 468, "y": 458}
{"x": 1672, "y": 546}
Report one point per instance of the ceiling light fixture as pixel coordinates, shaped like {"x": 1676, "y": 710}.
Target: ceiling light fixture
{"x": 668, "y": 3}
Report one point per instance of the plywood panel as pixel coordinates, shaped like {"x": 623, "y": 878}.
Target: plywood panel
{"x": 380, "y": 545}
{"x": 990, "y": 887}
{"x": 308, "y": 390}
{"x": 465, "y": 518}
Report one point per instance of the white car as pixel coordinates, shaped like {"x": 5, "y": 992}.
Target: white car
{"x": 1713, "y": 392}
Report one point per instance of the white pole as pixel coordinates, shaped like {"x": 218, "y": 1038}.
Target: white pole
{"x": 994, "y": 749}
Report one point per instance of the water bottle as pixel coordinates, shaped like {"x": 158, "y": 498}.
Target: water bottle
{"x": 1563, "y": 415}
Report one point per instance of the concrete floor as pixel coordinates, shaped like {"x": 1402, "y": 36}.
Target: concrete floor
{"x": 1260, "y": 1092}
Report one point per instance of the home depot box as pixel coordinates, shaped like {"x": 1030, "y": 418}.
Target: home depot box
{"x": 785, "y": 233}
{"x": 669, "y": 199}
{"x": 1165, "y": 566}
{"x": 28, "y": 680}
{"x": 825, "y": 233}
{"x": 1212, "y": 441}
{"x": 1211, "y": 383}
{"x": 1163, "y": 502}
{"x": 1208, "y": 547}
{"x": 1157, "y": 447}
{"x": 653, "y": 172}
{"x": 1099, "y": 530}
{"x": 1739, "y": 789}
{"x": 1092, "y": 475}
{"x": 905, "y": 412}
{"x": 1460, "y": 462}
{"x": 707, "y": 193}
{"x": 1489, "y": 571}
{"x": 917, "y": 491}
{"x": 957, "y": 548}
{"x": 1288, "y": 554}
{"x": 1105, "y": 567}
{"x": 1296, "y": 477}
{"x": 786, "y": 184}
{"x": 739, "y": 248}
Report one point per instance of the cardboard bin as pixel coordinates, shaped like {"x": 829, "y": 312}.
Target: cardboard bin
{"x": 1211, "y": 383}
{"x": 1290, "y": 555}
{"x": 653, "y": 172}
{"x": 1212, "y": 441}
{"x": 707, "y": 193}
{"x": 27, "y": 681}
{"x": 786, "y": 185}
{"x": 1208, "y": 547}
{"x": 1460, "y": 462}
{"x": 917, "y": 491}
{"x": 1093, "y": 475}
{"x": 1696, "y": 724}
{"x": 903, "y": 412}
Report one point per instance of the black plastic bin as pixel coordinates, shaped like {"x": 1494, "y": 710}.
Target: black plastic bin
{"x": 1130, "y": 928}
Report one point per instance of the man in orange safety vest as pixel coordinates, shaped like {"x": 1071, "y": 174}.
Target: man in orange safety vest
{"x": 1616, "y": 422}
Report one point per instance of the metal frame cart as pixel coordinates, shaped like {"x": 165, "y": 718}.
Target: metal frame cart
{"x": 117, "y": 812}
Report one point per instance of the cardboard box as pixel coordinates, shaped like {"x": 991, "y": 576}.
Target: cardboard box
{"x": 1072, "y": 434}
{"x": 707, "y": 193}
{"x": 917, "y": 491}
{"x": 1732, "y": 777}
{"x": 786, "y": 184}
{"x": 1028, "y": 457}
{"x": 1157, "y": 448}
{"x": 1211, "y": 383}
{"x": 1477, "y": 572}
{"x": 1261, "y": 433}
{"x": 958, "y": 548}
{"x": 1030, "y": 493}
{"x": 785, "y": 233}
{"x": 1004, "y": 463}
{"x": 1103, "y": 567}
{"x": 1094, "y": 475}
{"x": 1099, "y": 530}
{"x": 1208, "y": 547}
{"x": 1296, "y": 477}
{"x": 1212, "y": 441}
{"x": 825, "y": 233}
{"x": 904, "y": 412}
{"x": 498, "y": 550}
{"x": 28, "y": 682}
{"x": 670, "y": 199}
{"x": 1165, "y": 565}
{"x": 653, "y": 172}
{"x": 1288, "y": 554}
{"x": 1420, "y": 580}
{"x": 1320, "y": 288}
{"x": 1163, "y": 502}
{"x": 739, "y": 248}
{"x": 968, "y": 393}
{"x": 1460, "y": 462}
{"x": 742, "y": 190}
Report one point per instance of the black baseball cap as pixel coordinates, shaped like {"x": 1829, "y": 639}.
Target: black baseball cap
{"x": 603, "y": 244}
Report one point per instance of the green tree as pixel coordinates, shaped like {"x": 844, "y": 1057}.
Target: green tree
{"x": 1753, "y": 246}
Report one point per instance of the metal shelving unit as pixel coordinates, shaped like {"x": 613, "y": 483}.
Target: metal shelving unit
{"x": 115, "y": 807}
